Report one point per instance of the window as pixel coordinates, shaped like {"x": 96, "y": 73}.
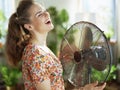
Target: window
{"x": 6, "y": 9}
{"x": 102, "y": 13}
{"x": 7, "y": 6}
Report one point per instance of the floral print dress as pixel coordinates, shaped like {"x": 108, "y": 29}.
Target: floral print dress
{"x": 37, "y": 66}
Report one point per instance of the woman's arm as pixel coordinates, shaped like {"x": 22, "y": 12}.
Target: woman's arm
{"x": 45, "y": 85}
{"x": 92, "y": 86}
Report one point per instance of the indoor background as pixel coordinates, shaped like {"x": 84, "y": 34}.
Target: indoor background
{"x": 105, "y": 14}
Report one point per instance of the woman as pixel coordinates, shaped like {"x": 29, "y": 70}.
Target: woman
{"x": 26, "y": 41}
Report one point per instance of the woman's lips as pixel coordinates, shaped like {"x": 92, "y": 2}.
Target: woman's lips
{"x": 48, "y": 21}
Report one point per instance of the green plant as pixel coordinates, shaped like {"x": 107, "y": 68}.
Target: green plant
{"x": 2, "y": 30}
{"x": 10, "y": 76}
{"x": 109, "y": 33}
{"x": 112, "y": 75}
{"x": 100, "y": 76}
{"x": 2, "y": 24}
{"x": 59, "y": 19}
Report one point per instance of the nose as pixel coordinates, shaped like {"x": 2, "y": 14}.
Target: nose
{"x": 46, "y": 13}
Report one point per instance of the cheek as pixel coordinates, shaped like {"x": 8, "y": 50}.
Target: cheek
{"x": 38, "y": 24}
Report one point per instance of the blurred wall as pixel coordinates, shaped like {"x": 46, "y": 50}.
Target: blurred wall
{"x": 72, "y": 7}
{"x": 118, "y": 26}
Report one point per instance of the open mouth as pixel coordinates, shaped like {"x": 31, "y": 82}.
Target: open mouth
{"x": 48, "y": 22}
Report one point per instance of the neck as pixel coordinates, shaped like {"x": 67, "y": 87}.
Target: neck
{"x": 39, "y": 39}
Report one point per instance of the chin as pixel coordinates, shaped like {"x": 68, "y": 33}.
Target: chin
{"x": 52, "y": 27}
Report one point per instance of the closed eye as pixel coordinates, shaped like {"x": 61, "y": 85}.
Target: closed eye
{"x": 40, "y": 13}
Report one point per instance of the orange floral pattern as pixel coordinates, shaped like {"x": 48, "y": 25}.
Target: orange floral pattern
{"x": 38, "y": 66}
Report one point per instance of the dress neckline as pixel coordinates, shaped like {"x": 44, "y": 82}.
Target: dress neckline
{"x": 46, "y": 50}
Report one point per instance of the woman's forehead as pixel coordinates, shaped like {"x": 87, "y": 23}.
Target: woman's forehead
{"x": 35, "y": 8}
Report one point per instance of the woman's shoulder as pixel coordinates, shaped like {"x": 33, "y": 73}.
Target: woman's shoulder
{"x": 32, "y": 50}
{"x": 34, "y": 53}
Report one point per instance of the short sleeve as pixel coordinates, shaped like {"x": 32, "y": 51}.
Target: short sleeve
{"x": 38, "y": 67}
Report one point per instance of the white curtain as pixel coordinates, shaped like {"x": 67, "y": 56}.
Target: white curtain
{"x": 118, "y": 26}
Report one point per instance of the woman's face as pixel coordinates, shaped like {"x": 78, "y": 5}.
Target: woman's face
{"x": 40, "y": 19}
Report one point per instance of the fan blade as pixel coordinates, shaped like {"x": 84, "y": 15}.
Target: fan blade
{"x": 77, "y": 74}
{"x": 86, "y": 38}
{"x": 97, "y": 63}
{"x": 67, "y": 56}
{"x": 97, "y": 58}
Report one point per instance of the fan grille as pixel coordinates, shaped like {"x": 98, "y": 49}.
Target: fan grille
{"x": 85, "y": 54}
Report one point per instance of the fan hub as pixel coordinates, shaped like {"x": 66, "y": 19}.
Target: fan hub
{"x": 77, "y": 56}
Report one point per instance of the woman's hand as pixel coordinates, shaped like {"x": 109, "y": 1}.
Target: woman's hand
{"x": 93, "y": 86}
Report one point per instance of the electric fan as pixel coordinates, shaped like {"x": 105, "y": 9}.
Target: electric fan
{"x": 85, "y": 54}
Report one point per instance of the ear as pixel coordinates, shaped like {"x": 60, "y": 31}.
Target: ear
{"x": 28, "y": 26}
